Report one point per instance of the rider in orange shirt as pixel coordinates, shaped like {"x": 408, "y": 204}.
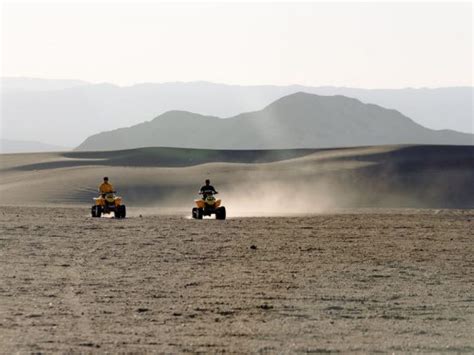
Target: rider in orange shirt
{"x": 105, "y": 187}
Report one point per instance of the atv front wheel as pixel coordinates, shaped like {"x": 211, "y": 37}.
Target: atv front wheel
{"x": 123, "y": 211}
{"x": 197, "y": 213}
{"x": 96, "y": 211}
{"x": 220, "y": 213}
{"x": 120, "y": 211}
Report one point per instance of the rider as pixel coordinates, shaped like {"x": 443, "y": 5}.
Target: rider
{"x": 207, "y": 189}
{"x": 105, "y": 187}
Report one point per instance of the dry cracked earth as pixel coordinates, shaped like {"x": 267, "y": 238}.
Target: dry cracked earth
{"x": 390, "y": 281}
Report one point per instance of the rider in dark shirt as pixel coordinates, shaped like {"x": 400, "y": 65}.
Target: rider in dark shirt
{"x": 208, "y": 188}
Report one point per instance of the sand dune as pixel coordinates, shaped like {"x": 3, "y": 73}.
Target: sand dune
{"x": 287, "y": 181}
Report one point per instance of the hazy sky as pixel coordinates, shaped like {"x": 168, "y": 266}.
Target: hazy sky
{"x": 371, "y": 45}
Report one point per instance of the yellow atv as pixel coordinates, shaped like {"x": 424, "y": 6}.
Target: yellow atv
{"x": 208, "y": 206}
{"x": 108, "y": 203}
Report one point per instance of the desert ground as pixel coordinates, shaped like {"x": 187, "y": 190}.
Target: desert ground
{"x": 352, "y": 250}
{"x": 362, "y": 281}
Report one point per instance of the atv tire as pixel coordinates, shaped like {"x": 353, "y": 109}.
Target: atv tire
{"x": 120, "y": 211}
{"x": 96, "y": 211}
{"x": 220, "y": 213}
{"x": 123, "y": 211}
{"x": 197, "y": 213}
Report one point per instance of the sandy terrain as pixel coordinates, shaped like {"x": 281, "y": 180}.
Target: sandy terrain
{"x": 263, "y": 181}
{"x": 320, "y": 272}
{"x": 365, "y": 280}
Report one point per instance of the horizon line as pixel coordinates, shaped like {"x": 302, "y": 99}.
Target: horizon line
{"x": 86, "y": 82}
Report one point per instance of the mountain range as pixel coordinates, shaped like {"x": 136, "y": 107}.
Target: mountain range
{"x": 65, "y": 112}
{"x": 12, "y": 146}
{"x": 300, "y": 120}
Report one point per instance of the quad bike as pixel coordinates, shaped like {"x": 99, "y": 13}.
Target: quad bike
{"x": 108, "y": 203}
{"x": 207, "y": 206}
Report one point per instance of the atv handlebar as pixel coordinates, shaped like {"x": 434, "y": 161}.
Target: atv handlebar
{"x": 208, "y": 193}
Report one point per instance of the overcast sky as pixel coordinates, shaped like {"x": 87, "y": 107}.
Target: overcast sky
{"x": 369, "y": 45}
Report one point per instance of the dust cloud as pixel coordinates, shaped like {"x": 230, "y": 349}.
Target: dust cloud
{"x": 250, "y": 199}
{"x": 278, "y": 199}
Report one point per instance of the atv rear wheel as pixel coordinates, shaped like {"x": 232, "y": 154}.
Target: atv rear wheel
{"x": 96, "y": 211}
{"x": 220, "y": 213}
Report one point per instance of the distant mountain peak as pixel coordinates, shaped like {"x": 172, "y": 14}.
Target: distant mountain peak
{"x": 302, "y": 96}
{"x": 299, "y": 120}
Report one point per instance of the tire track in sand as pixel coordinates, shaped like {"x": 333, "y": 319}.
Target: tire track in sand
{"x": 82, "y": 332}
